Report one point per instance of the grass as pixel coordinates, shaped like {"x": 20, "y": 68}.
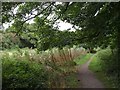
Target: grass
{"x": 71, "y": 81}
{"x": 95, "y": 66}
{"x": 83, "y": 59}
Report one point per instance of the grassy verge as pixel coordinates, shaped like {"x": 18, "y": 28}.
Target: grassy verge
{"x": 83, "y": 59}
{"x": 95, "y": 66}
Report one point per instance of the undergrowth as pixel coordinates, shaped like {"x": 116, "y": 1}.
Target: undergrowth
{"x": 24, "y": 68}
{"x": 103, "y": 65}
{"x": 82, "y": 59}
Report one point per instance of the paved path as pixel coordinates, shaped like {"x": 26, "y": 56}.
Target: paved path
{"x": 87, "y": 78}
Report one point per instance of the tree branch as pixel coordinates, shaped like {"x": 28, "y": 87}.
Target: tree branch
{"x": 32, "y": 18}
{"x": 62, "y": 12}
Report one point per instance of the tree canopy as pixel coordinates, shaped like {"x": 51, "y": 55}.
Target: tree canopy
{"x": 98, "y": 22}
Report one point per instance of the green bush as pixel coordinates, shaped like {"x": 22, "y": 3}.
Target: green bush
{"x": 105, "y": 65}
{"x": 95, "y": 65}
{"x": 9, "y": 41}
{"x": 23, "y": 74}
{"x": 109, "y": 60}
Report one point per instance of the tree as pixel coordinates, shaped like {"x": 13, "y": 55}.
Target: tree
{"x": 99, "y": 21}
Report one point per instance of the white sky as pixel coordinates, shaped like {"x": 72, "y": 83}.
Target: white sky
{"x": 64, "y": 26}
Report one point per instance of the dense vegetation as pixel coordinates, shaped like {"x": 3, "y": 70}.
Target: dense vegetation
{"x": 105, "y": 65}
{"x": 8, "y": 41}
{"x": 96, "y": 26}
{"x": 25, "y": 68}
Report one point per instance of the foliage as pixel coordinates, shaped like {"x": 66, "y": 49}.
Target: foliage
{"x": 23, "y": 74}
{"x": 98, "y": 26}
{"x": 104, "y": 64}
{"x": 21, "y": 71}
{"x": 71, "y": 81}
{"x": 109, "y": 60}
{"x": 8, "y": 41}
{"x": 45, "y": 37}
{"x": 99, "y": 22}
{"x": 25, "y": 68}
{"x": 82, "y": 59}
{"x": 7, "y": 7}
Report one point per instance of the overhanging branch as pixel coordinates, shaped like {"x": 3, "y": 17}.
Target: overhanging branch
{"x": 62, "y": 13}
{"x": 32, "y": 18}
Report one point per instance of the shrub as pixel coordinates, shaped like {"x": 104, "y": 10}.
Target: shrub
{"x": 9, "y": 41}
{"x": 23, "y": 74}
{"x": 109, "y": 60}
{"x": 106, "y": 63}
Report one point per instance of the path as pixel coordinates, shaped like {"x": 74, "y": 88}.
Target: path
{"x": 87, "y": 78}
